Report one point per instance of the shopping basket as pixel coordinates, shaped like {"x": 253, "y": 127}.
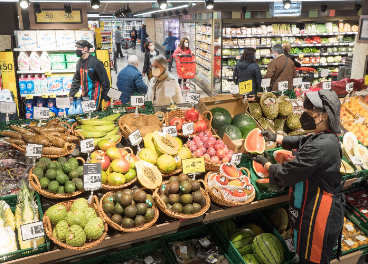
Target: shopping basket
{"x": 185, "y": 66}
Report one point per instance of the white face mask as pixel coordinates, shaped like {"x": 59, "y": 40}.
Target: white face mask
{"x": 186, "y": 44}
{"x": 156, "y": 71}
{"x": 152, "y": 48}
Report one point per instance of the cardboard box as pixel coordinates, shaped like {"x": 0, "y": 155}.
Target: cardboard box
{"x": 27, "y": 39}
{"x": 86, "y": 35}
{"x": 46, "y": 39}
{"x": 65, "y": 39}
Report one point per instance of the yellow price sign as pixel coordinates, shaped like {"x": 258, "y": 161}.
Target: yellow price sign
{"x": 193, "y": 165}
{"x": 301, "y": 56}
{"x": 47, "y": 73}
{"x": 45, "y": 96}
{"x": 245, "y": 87}
{"x": 366, "y": 80}
{"x": 29, "y": 96}
{"x": 52, "y": 95}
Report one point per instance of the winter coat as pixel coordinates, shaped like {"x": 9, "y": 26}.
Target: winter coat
{"x": 182, "y": 52}
{"x": 292, "y": 57}
{"x": 245, "y": 71}
{"x": 274, "y": 69}
{"x": 144, "y": 35}
{"x": 130, "y": 81}
{"x": 117, "y": 36}
{"x": 147, "y": 61}
{"x": 170, "y": 42}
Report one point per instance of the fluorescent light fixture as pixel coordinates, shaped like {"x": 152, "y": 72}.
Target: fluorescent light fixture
{"x": 24, "y": 3}
{"x": 158, "y": 11}
{"x": 162, "y": 4}
{"x": 287, "y": 4}
{"x": 209, "y": 4}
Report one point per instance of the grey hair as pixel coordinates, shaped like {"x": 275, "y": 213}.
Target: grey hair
{"x": 277, "y": 48}
{"x": 132, "y": 60}
{"x": 161, "y": 60}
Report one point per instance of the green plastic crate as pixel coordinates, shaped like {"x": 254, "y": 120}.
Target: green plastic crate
{"x": 11, "y": 200}
{"x": 198, "y": 232}
{"x": 96, "y": 260}
{"x": 142, "y": 250}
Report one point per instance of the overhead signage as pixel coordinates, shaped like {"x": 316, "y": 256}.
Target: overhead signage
{"x": 55, "y": 16}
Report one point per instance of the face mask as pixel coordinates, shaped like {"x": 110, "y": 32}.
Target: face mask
{"x": 273, "y": 55}
{"x": 156, "y": 71}
{"x": 308, "y": 122}
{"x": 152, "y": 48}
{"x": 79, "y": 53}
{"x": 186, "y": 45}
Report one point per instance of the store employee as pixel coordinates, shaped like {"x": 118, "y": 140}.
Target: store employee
{"x": 90, "y": 75}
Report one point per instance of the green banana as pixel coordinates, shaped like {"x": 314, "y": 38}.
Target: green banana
{"x": 96, "y": 122}
{"x": 92, "y": 134}
{"x": 113, "y": 132}
{"x": 112, "y": 117}
{"x": 105, "y": 128}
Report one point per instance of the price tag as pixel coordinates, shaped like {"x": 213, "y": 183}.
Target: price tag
{"x": 325, "y": 72}
{"x": 8, "y": 107}
{"x": 360, "y": 120}
{"x": 52, "y": 95}
{"x": 305, "y": 86}
{"x": 149, "y": 260}
{"x": 193, "y": 165}
{"x": 301, "y": 55}
{"x": 45, "y": 96}
{"x": 297, "y": 81}
{"x": 290, "y": 244}
{"x": 349, "y": 242}
{"x": 235, "y": 158}
{"x": 356, "y": 160}
{"x": 349, "y": 87}
{"x": 135, "y": 138}
{"x": 204, "y": 242}
{"x": 32, "y": 230}
{"x": 92, "y": 176}
{"x": 366, "y": 79}
{"x": 316, "y": 75}
{"x": 40, "y": 112}
{"x": 29, "y": 96}
{"x": 234, "y": 89}
{"x": 85, "y": 98}
{"x": 34, "y": 150}
{"x": 170, "y": 130}
{"x": 62, "y": 102}
{"x": 245, "y": 87}
{"x": 47, "y": 73}
{"x": 87, "y": 145}
{"x": 266, "y": 82}
{"x": 183, "y": 249}
{"x": 170, "y": 88}
{"x": 193, "y": 98}
{"x": 326, "y": 85}
{"x": 283, "y": 85}
{"x": 114, "y": 93}
{"x": 238, "y": 57}
{"x": 88, "y": 106}
{"x": 137, "y": 100}
{"x": 188, "y": 129}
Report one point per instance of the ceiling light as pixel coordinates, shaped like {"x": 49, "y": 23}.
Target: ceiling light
{"x": 95, "y": 4}
{"x": 209, "y": 4}
{"x": 184, "y": 11}
{"x": 177, "y": 12}
{"x": 169, "y": 13}
{"x": 162, "y": 4}
{"x": 323, "y": 8}
{"x": 160, "y": 11}
{"x": 67, "y": 8}
{"x": 24, "y": 3}
{"x": 37, "y": 8}
{"x": 287, "y": 4}
{"x": 357, "y": 7}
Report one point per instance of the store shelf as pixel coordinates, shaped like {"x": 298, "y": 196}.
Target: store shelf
{"x": 243, "y": 47}
{"x": 104, "y": 42}
{"x": 204, "y": 49}
{"x": 204, "y": 66}
{"x": 208, "y": 42}
{"x": 207, "y": 59}
{"x": 290, "y": 35}
{"x": 207, "y": 34}
{"x": 227, "y": 78}
{"x": 42, "y": 71}
{"x": 323, "y": 44}
{"x": 228, "y": 67}
{"x": 54, "y": 49}
{"x": 40, "y": 94}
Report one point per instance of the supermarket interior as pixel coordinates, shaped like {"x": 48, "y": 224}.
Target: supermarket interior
{"x": 173, "y": 131}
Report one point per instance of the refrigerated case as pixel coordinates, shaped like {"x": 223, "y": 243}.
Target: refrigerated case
{"x": 128, "y": 25}
{"x": 188, "y": 30}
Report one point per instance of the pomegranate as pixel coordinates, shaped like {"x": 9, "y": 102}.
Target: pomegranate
{"x": 178, "y": 122}
{"x": 191, "y": 143}
{"x": 201, "y": 126}
{"x": 192, "y": 115}
{"x": 211, "y": 151}
{"x": 204, "y": 138}
{"x": 195, "y": 127}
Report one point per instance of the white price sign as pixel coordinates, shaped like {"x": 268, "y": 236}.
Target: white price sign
{"x": 188, "y": 129}
{"x": 283, "y": 86}
{"x": 235, "y": 158}
{"x": 62, "y": 102}
{"x": 326, "y": 85}
{"x": 8, "y": 107}
{"x": 34, "y": 150}
{"x": 305, "y": 86}
{"x": 297, "y": 81}
{"x": 88, "y": 106}
{"x": 360, "y": 120}
{"x": 114, "y": 93}
{"x": 135, "y": 138}
{"x": 40, "y": 112}
{"x": 266, "y": 82}
{"x": 356, "y": 160}
{"x": 234, "y": 89}
{"x": 193, "y": 98}
{"x": 87, "y": 145}
{"x": 32, "y": 230}
{"x": 325, "y": 72}
{"x": 290, "y": 244}
{"x": 149, "y": 260}
{"x": 170, "y": 88}
{"x": 170, "y": 130}
{"x": 349, "y": 87}
{"x": 92, "y": 176}
{"x": 137, "y": 100}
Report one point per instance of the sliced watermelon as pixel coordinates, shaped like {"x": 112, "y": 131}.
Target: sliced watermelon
{"x": 260, "y": 170}
{"x": 282, "y": 155}
{"x": 254, "y": 142}
{"x": 265, "y": 186}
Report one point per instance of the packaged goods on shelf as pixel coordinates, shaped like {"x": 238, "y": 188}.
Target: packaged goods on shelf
{"x": 46, "y": 39}
{"x": 23, "y": 61}
{"x": 85, "y": 35}
{"x": 65, "y": 39}
{"x": 55, "y": 83}
{"x": 57, "y": 57}
{"x": 67, "y": 82}
{"x": 27, "y": 39}
{"x": 45, "y": 61}
{"x": 71, "y": 57}
{"x": 34, "y": 61}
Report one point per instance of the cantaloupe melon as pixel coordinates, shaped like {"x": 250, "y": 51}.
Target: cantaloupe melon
{"x": 346, "y": 168}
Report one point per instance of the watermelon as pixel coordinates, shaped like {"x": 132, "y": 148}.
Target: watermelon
{"x": 255, "y": 228}
{"x": 232, "y": 131}
{"x": 250, "y": 259}
{"x": 242, "y": 238}
{"x": 254, "y": 142}
{"x": 247, "y": 249}
{"x": 268, "y": 249}
{"x": 264, "y": 186}
{"x": 245, "y": 123}
{"x": 260, "y": 170}
{"x": 282, "y": 155}
{"x": 220, "y": 117}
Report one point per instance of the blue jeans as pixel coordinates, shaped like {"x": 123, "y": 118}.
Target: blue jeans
{"x": 142, "y": 46}
{"x": 168, "y": 54}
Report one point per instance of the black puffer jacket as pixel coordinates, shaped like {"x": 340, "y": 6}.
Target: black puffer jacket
{"x": 292, "y": 57}
{"x": 245, "y": 71}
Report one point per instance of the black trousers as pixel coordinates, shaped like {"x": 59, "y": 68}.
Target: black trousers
{"x": 168, "y": 54}
{"x": 118, "y": 51}
{"x": 134, "y": 43}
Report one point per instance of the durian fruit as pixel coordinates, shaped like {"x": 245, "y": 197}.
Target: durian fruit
{"x": 94, "y": 228}
{"x": 269, "y": 105}
{"x": 285, "y": 108}
{"x": 293, "y": 121}
{"x": 255, "y": 110}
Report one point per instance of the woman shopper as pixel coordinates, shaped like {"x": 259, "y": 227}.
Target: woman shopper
{"x": 316, "y": 205}
{"x": 149, "y": 54}
{"x": 133, "y": 36}
{"x": 247, "y": 69}
{"x": 156, "y": 87}
{"x": 183, "y": 49}
{"x": 287, "y": 48}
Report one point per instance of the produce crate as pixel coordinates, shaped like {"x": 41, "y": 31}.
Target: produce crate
{"x": 96, "y": 260}
{"x": 11, "y": 200}
{"x": 142, "y": 250}
{"x": 198, "y": 232}
{"x": 257, "y": 219}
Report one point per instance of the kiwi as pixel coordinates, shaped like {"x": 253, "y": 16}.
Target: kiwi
{"x": 177, "y": 208}
{"x": 164, "y": 198}
{"x": 140, "y": 196}
{"x": 174, "y": 198}
{"x": 139, "y": 220}
{"x": 183, "y": 177}
{"x": 185, "y": 187}
{"x": 141, "y": 208}
{"x": 196, "y": 186}
{"x": 197, "y": 196}
{"x": 117, "y": 219}
{"x": 188, "y": 209}
{"x": 186, "y": 199}
{"x": 173, "y": 178}
{"x": 126, "y": 199}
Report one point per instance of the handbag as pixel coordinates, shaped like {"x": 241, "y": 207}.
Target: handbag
{"x": 269, "y": 89}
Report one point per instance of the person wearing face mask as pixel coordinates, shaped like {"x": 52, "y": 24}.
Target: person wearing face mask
{"x": 287, "y": 48}
{"x": 156, "y": 88}
{"x": 170, "y": 47}
{"x": 183, "y": 49}
{"x": 280, "y": 69}
{"x": 316, "y": 205}
{"x": 90, "y": 76}
{"x": 150, "y": 53}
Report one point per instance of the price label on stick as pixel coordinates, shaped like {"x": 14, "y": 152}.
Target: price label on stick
{"x": 234, "y": 89}
{"x": 87, "y": 145}
{"x": 8, "y": 107}
{"x": 245, "y": 87}
{"x": 170, "y": 130}
{"x": 169, "y": 88}
{"x": 41, "y": 112}
{"x": 235, "y": 158}
{"x": 135, "y": 138}
{"x": 32, "y": 230}
{"x": 137, "y": 100}
{"x": 34, "y": 150}
{"x": 326, "y": 85}
{"x": 88, "y": 106}
{"x": 114, "y": 93}
{"x": 297, "y": 81}
{"x": 62, "y": 102}
{"x": 360, "y": 120}
{"x": 290, "y": 244}
{"x": 305, "y": 86}
{"x": 283, "y": 86}
{"x": 188, "y": 129}
{"x": 356, "y": 160}
{"x": 349, "y": 87}
{"x": 92, "y": 176}
{"x": 266, "y": 82}
{"x": 193, "y": 165}
{"x": 193, "y": 98}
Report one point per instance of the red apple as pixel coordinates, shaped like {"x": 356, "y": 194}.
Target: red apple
{"x": 178, "y": 122}
{"x": 97, "y": 153}
{"x": 201, "y": 126}
{"x": 192, "y": 115}
{"x": 222, "y": 180}
{"x": 104, "y": 160}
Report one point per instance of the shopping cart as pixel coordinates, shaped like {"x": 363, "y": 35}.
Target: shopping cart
{"x": 186, "y": 68}
{"x": 126, "y": 45}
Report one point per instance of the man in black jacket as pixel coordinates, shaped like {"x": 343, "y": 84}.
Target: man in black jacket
{"x": 90, "y": 76}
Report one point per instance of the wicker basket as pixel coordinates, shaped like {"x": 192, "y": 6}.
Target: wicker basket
{"x": 78, "y": 134}
{"x": 35, "y": 183}
{"x": 70, "y": 150}
{"x": 87, "y": 245}
{"x": 118, "y": 227}
{"x": 126, "y": 131}
{"x": 162, "y": 206}
{"x": 181, "y": 113}
{"x": 220, "y": 199}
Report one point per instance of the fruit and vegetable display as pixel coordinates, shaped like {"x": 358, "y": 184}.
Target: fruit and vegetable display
{"x": 13, "y": 169}
{"x": 144, "y": 123}
{"x": 280, "y": 220}
{"x": 346, "y": 114}
{"x": 353, "y": 237}
{"x": 190, "y": 115}
{"x": 157, "y": 257}
{"x": 351, "y": 147}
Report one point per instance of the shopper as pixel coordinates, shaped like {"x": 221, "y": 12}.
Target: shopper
{"x": 156, "y": 89}
{"x": 183, "y": 49}
{"x": 247, "y": 69}
{"x": 316, "y": 206}
{"x": 118, "y": 42}
{"x": 280, "y": 69}
{"x": 287, "y": 48}
{"x": 170, "y": 48}
{"x": 90, "y": 76}
{"x": 133, "y": 36}
{"x": 130, "y": 80}
{"x": 143, "y": 37}
{"x": 150, "y": 53}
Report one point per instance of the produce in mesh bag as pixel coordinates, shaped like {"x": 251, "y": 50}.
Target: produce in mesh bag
{"x": 8, "y": 242}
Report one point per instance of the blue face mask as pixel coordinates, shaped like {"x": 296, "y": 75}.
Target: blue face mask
{"x": 273, "y": 55}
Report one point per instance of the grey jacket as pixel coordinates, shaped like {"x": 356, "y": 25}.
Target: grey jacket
{"x": 117, "y": 36}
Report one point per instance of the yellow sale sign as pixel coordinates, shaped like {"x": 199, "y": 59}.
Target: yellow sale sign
{"x": 245, "y": 87}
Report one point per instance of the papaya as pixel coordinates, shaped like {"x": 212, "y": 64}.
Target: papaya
{"x": 148, "y": 174}
{"x": 165, "y": 143}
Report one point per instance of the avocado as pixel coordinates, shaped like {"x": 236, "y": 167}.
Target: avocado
{"x": 127, "y": 223}
{"x": 126, "y": 199}
{"x": 73, "y": 174}
{"x": 80, "y": 171}
{"x": 130, "y": 211}
{"x": 197, "y": 196}
{"x": 62, "y": 160}
{"x": 140, "y": 196}
{"x": 51, "y": 174}
{"x": 183, "y": 177}
{"x": 117, "y": 219}
{"x": 41, "y": 165}
{"x": 128, "y": 191}
{"x": 69, "y": 187}
{"x": 45, "y": 160}
{"x": 186, "y": 199}
{"x": 139, "y": 220}
{"x": 169, "y": 206}
{"x": 62, "y": 178}
{"x": 164, "y": 198}
{"x": 108, "y": 198}
{"x": 195, "y": 185}
{"x": 150, "y": 199}
{"x": 61, "y": 189}
{"x": 197, "y": 207}
{"x": 52, "y": 166}
{"x": 185, "y": 187}
{"x": 118, "y": 209}
{"x": 141, "y": 208}
{"x": 58, "y": 165}
{"x": 53, "y": 186}
{"x": 108, "y": 207}
{"x": 174, "y": 187}
{"x": 174, "y": 198}
{"x": 73, "y": 162}
{"x": 44, "y": 183}
{"x": 38, "y": 172}
{"x": 177, "y": 208}
{"x": 67, "y": 167}
{"x": 78, "y": 183}
{"x": 118, "y": 195}
{"x": 150, "y": 214}
{"x": 188, "y": 209}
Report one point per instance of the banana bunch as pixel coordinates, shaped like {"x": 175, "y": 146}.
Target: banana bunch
{"x": 228, "y": 226}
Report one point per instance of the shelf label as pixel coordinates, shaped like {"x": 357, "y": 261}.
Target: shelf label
{"x": 366, "y": 79}
{"x": 52, "y": 95}
{"x": 283, "y": 86}
{"x": 245, "y": 87}
{"x": 32, "y": 230}
{"x": 235, "y": 158}
{"x": 62, "y": 102}
{"x": 297, "y": 81}
{"x": 349, "y": 87}
{"x": 169, "y": 88}
{"x": 92, "y": 176}
{"x": 305, "y": 86}
{"x": 135, "y": 138}
{"x": 29, "y": 96}
{"x": 8, "y": 107}
{"x": 290, "y": 244}
{"x": 326, "y": 85}
{"x": 137, "y": 100}
{"x": 360, "y": 120}
{"x": 170, "y": 130}
{"x": 45, "y": 96}
{"x": 188, "y": 129}
{"x": 325, "y": 72}
{"x": 34, "y": 150}
{"x": 356, "y": 160}
{"x": 87, "y": 145}
{"x": 40, "y": 112}
{"x": 234, "y": 89}
{"x": 266, "y": 82}
{"x": 114, "y": 93}
{"x": 193, "y": 97}
{"x": 88, "y": 106}
{"x": 193, "y": 165}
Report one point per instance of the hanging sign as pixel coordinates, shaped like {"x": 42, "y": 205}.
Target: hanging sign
{"x": 245, "y": 87}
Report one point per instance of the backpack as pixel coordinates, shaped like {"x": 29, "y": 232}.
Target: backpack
{"x": 132, "y": 33}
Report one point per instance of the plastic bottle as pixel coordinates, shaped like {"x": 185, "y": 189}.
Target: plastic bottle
{"x": 37, "y": 84}
{"x": 29, "y": 108}
{"x": 44, "y": 86}
{"x": 40, "y": 102}
{"x": 78, "y": 106}
{"x": 30, "y": 85}
{"x": 51, "y": 104}
{"x": 22, "y": 85}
